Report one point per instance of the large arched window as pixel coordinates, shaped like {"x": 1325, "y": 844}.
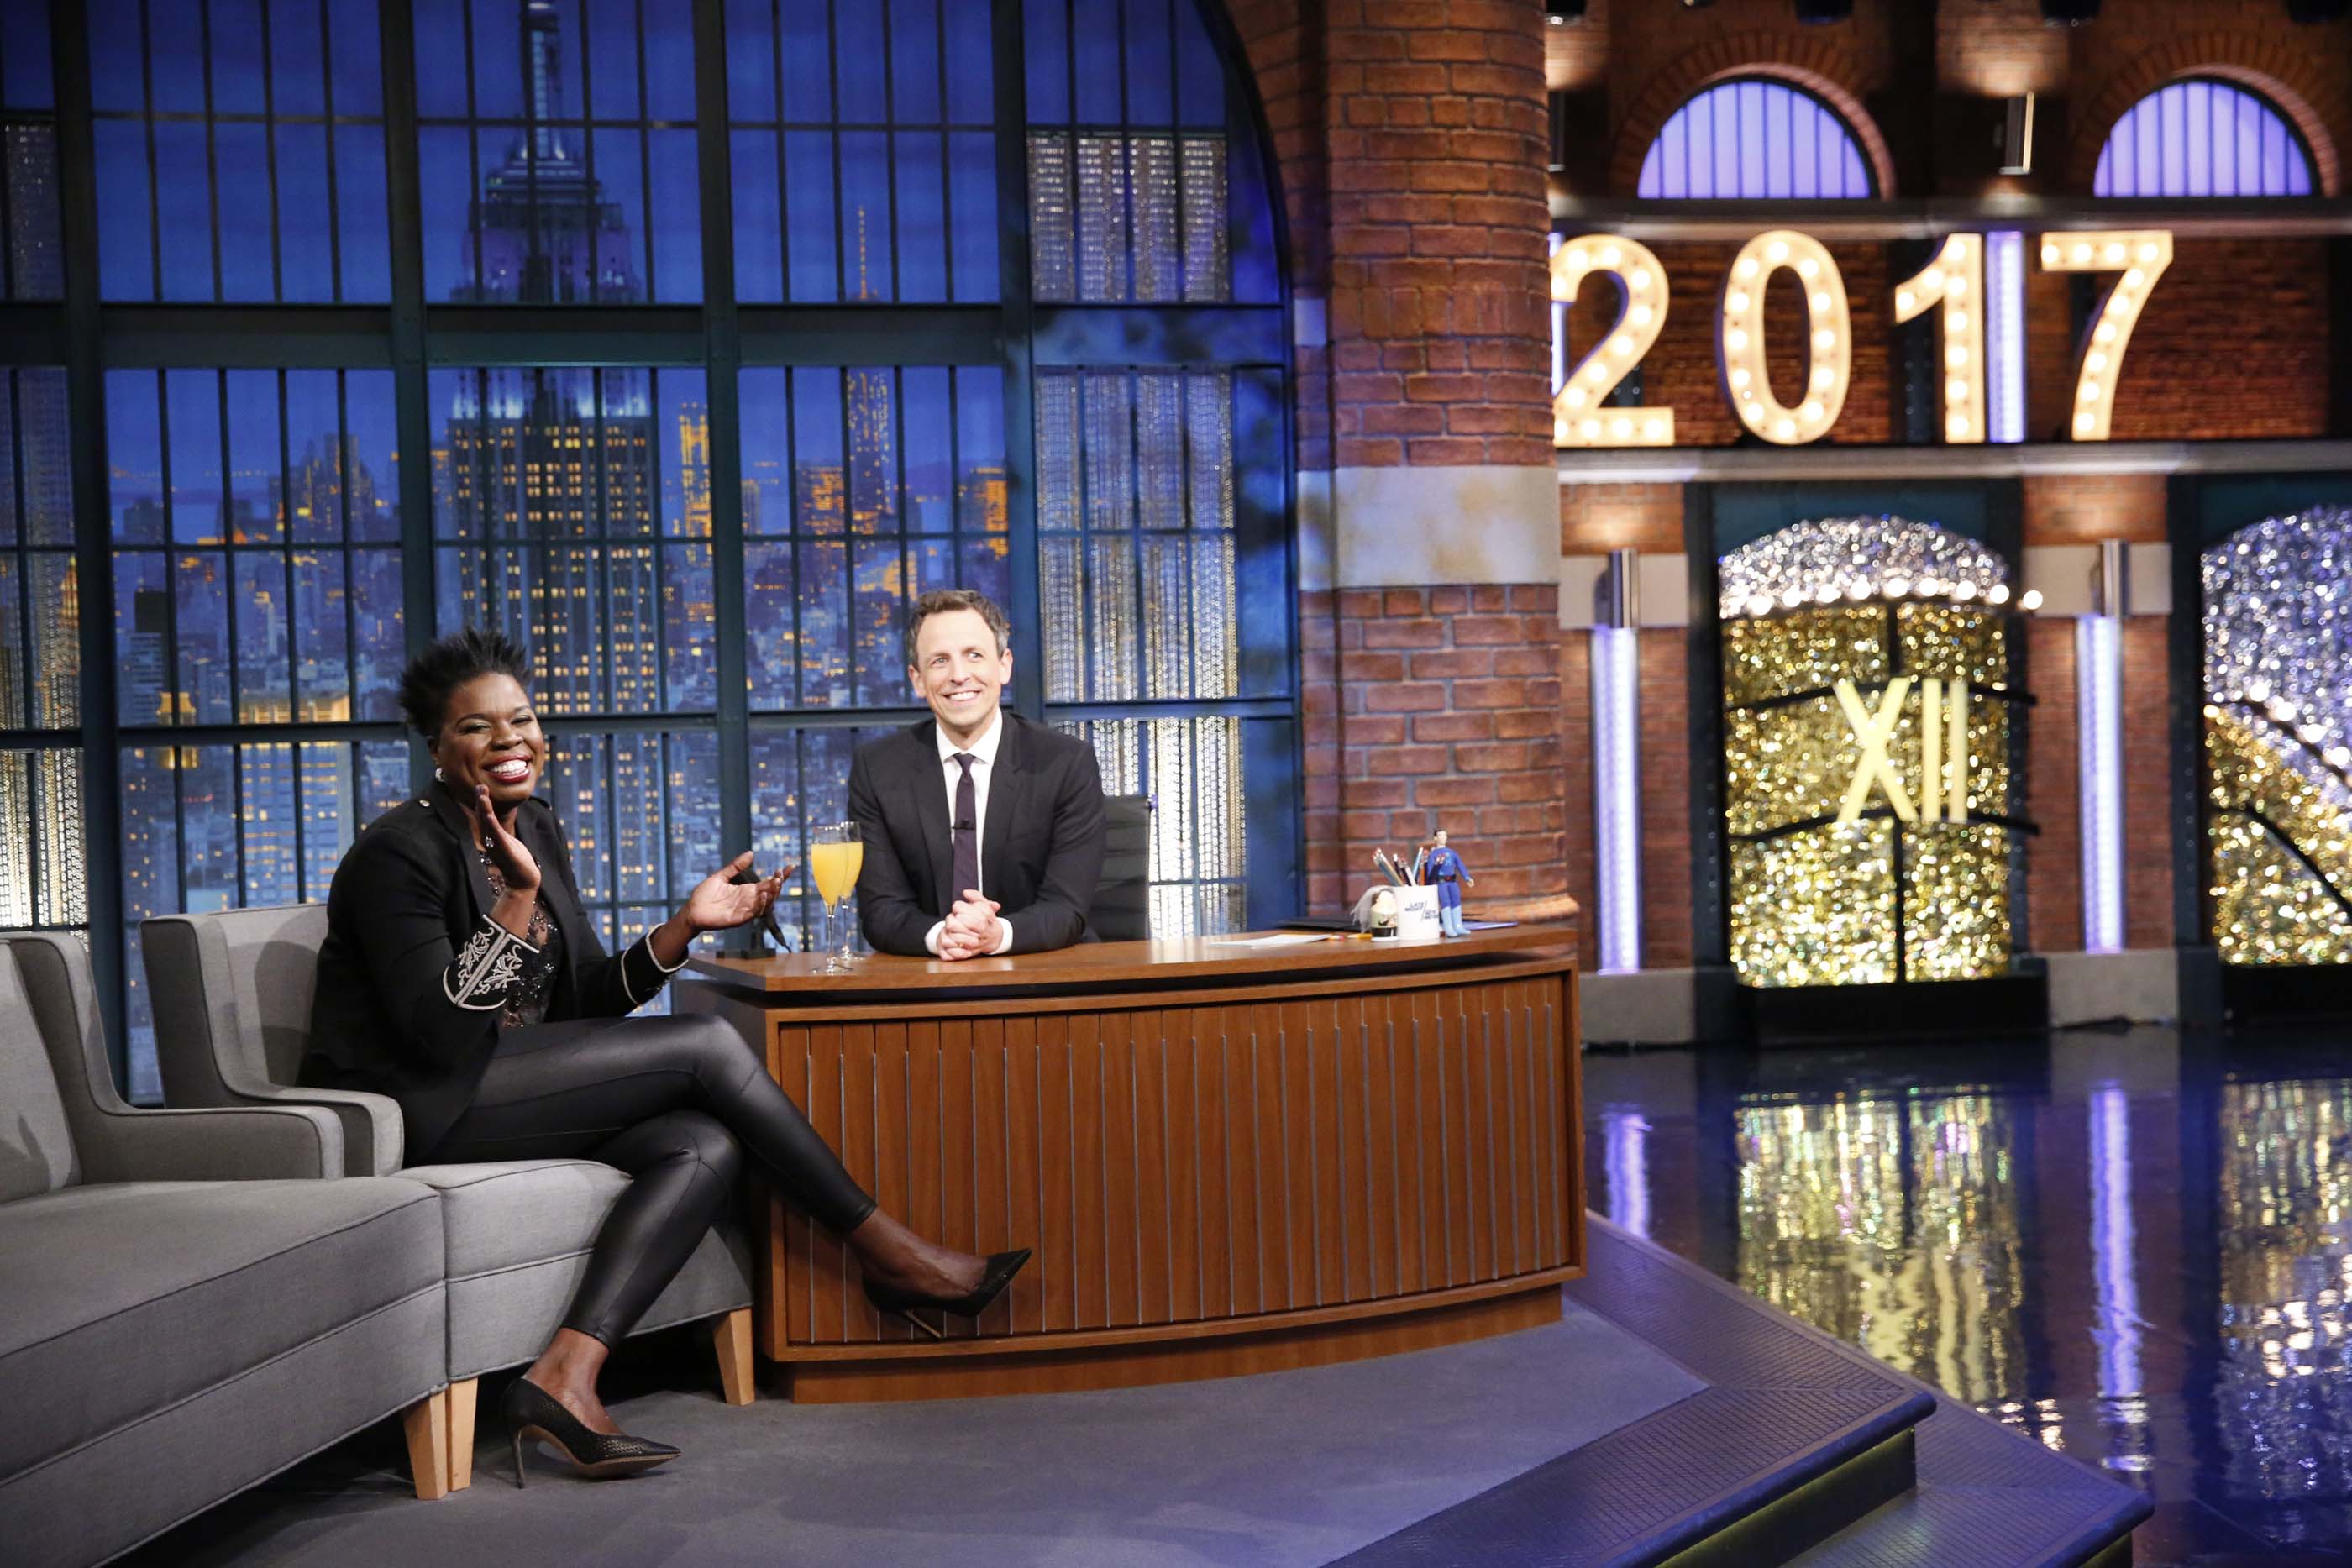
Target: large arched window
{"x": 2201, "y": 138}
{"x": 1755, "y": 138}
{"x": 687, "y": 338}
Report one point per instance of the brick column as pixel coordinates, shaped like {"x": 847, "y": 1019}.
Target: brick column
{"x": 1442, "y": 549}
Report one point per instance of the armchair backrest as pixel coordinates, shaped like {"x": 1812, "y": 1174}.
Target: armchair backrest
{"x": 52, "y": 1061}
{"x": 232, "y": 995}
{"x": 1122, "y": 906}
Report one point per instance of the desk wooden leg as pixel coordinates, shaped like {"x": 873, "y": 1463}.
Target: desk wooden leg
{"x": 731, "y": 1337}
{"x": 461, "y": 1433}
{"x": 427, "y": 1424}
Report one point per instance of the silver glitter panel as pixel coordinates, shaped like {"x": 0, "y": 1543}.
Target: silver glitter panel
{"x": 1831, "y": 559}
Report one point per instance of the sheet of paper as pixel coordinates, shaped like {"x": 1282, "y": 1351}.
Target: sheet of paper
{"x": 1279, "y": 939}
{"x": 1487, "y": 925}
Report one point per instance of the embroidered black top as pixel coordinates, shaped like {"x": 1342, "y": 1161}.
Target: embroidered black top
{"x": 416, "y": 980}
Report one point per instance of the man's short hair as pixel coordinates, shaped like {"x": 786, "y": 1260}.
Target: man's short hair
{"x": 940, "y": 600}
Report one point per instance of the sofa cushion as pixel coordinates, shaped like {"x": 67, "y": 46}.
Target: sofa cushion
{"x": 119, "y": 1301}
{"x": 502, "y": 1214}
{"x": 35, "y": 1145}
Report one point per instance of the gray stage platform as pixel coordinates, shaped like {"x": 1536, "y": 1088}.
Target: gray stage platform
{"x": 1664, "y": 1413}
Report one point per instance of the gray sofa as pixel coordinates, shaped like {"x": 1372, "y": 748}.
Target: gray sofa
{"x": 185, "y": 1307}
{"x": 232, "y": 999}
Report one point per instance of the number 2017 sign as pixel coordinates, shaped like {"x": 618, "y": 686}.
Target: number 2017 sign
{"x": 1953, "y": 285}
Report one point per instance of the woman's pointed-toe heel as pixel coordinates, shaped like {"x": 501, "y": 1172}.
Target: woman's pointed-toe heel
{"x": 531, "y": 1411}
{"x": 903, "y": 1304}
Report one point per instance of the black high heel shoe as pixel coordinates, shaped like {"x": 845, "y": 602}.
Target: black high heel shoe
{"x": 894, "y": 1302}
{"x": 531, "y": 1411}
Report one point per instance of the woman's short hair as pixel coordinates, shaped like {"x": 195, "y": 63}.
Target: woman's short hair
{"x": 940, "y": 600}
{"x": 462, "y": 656}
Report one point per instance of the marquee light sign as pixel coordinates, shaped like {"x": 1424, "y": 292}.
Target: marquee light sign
{"x": 1954, "y": 284}
{"x": 1944, "y": 791}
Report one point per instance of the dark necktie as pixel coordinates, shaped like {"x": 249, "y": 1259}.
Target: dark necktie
{"x": 967, "y": 831}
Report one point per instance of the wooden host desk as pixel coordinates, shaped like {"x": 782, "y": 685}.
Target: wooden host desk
{"x": 1228, "y": 1159}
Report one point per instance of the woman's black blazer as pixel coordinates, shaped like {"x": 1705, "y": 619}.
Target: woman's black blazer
{"x": 415, "y": 971}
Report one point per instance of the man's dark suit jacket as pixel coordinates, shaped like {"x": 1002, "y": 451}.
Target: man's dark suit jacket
{"x": 1040, "y": 856}
{"x": 415, "y": 972}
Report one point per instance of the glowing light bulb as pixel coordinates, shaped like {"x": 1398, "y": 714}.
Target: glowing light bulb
{"x": 1579, "y": 258}
{"x": 1737, "y": 303}
{"x": 1956, "y": 355}
{"x": 2104, "y": 332}
{"x": 1824, "y": 378}
{"x": 1821, "y": 303}
{"x": 1956, "y": 391}
{"x": 1654, "y": 429}
{"x": 1955, "y": 251}
{"x": 1825, "y": 595}
{"x": 2150, "y": 250}
{"x": 1640, "y": 280}
{"x": 1957, "y": 425}
{"x": 1611, "y": 255}
{"x": 1595, "y": 373}
{"x": 1734, "y": 339}
{"x": 1574, "y": 397}
{"x": 1590, "y": 429}
{"x": 1751, "y": 412}
{"x": 1807, "y": 267}
{"x": 2030, "y": 600}
{"x": 1930, "y": 587}
{"x": 1745, "y": 268}
{"x": 1739, "y": 377}
{"x": 1904, "y": 301}
{"x": 2258, "y": 691}
{"x": 2113, "y": 254}
{"x": 2086, "y": 422}
{"x": 1640, "y": 316}
{"x": 2081, "y": 254}
{"x": 1620, "y": 428}
{"x": 1897, "y": 587}
{"x": 1955, "y": 321}
{"x": 2134, "y": 278}
{"x": 1792, "y": 597}
{"x": 2049, "y": 256}
{"x": 1857, "y": 592}
{"x": 1810, "y": 413}
{"x": 1759, "y": 604}
{"x": 2094, "y": 362}
{"x": 2090, "y": 392}
{"x": 1778, "y": 251}
{"x": 1622, "y": 344}
{"x": 1825, "y": 340}
{"x": 1964, "y": 589}
{"x": 1932, "y": 280}
{"x": 1785, "y": 429}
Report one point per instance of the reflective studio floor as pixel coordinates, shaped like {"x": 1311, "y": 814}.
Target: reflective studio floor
{"x": 2132, "y": 1245}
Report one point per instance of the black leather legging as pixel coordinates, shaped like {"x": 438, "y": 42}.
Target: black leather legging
{"x": 675, "y": 1102}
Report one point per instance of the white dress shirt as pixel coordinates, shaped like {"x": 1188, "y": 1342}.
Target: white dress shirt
{"x": 984, "y": 766}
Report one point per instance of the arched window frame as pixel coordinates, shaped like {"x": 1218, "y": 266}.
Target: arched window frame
{"x": 1777, "y": 99}
{"x": 2146, "y": 126}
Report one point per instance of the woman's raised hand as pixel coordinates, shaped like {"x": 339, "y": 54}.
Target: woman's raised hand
{"x": 515, "y": 866}
{"x": 720, "y": 902}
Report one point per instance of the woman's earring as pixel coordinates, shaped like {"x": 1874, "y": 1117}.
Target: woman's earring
{"x": 436, "y": 776}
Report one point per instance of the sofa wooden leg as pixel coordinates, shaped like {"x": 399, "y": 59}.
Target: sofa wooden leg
{"x": 461, "y": 1433}
{"x": 427, "y": 1423}
{"x": 731, "y": 1335}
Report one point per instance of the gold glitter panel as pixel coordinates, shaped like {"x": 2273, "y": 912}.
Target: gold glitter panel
{"x": 1815, "y": 908}
{"x": 1953, "y": 642}
{"x": 2267, "y": 906}
{"x": 1796, "y": 652}
{"x": 1952, "y": 929}
{"x": 1786, "y": 764}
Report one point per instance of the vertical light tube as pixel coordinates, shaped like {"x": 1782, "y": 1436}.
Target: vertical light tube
{"x": 2005, "y": 334}
{"x": 2099, "y": 680}
{"x": 1627, "y": 1159}
{"x": 1559, "y": 330}
{"x": 1616, "y": 796}
{"x": 2115, "y": 1274}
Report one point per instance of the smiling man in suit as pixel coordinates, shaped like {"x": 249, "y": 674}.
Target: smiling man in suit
{"x": 983, "y": 831}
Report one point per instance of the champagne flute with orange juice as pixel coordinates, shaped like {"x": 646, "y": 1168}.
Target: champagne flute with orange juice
{"x": 837, "y": 854}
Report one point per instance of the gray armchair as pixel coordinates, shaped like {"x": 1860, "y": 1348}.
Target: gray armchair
{"x": 232, "y": 999}
{"x": 185, "y": 1308}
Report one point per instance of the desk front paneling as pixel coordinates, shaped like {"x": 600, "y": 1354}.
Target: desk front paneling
{"x": 1193, "y": 1164}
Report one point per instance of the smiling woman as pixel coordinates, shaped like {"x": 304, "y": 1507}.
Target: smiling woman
{"x": 463, "y": 976}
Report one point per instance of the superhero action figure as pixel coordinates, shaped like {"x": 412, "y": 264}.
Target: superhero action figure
{"x": 1443, "y": 869}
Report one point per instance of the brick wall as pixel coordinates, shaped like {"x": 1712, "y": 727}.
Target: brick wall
{"x": 1439, "y": 292}
{"x": 1665, "y": 763}
{"x": 1597, "y": 518}
{"x": 2084, "y": 508}
{"x": 1449, "y": 717}
{"x": 2233, "y": 342}
{"x": 2147, "y": 782}
{"x": 2053, "y": 857}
